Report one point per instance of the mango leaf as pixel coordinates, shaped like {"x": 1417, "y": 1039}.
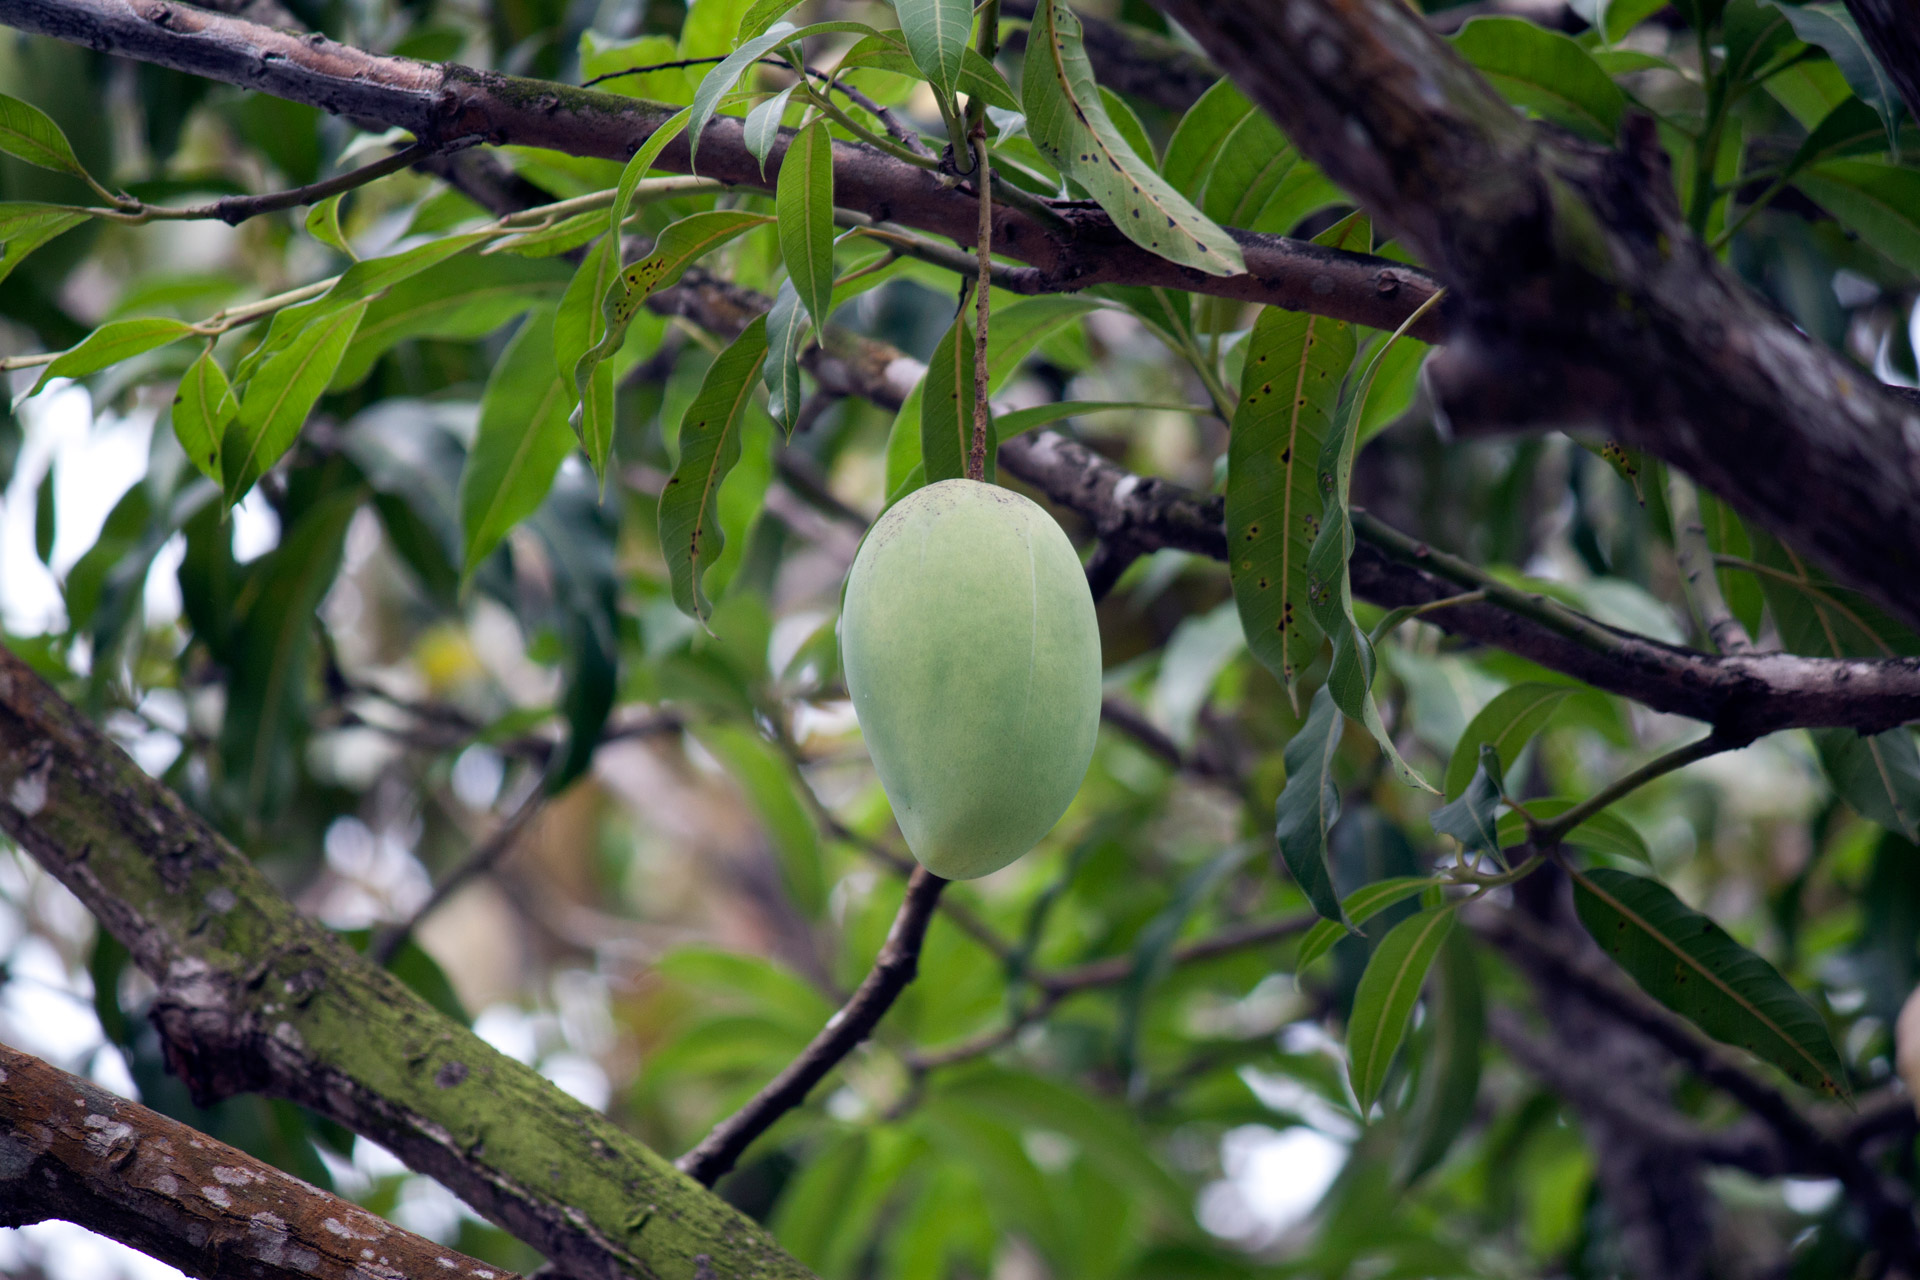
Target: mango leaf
{"x": 203, "y": 405}
{"x": 1878, "y": 774}
{"x": 1199, "y": 139}
{"x": 639, "y": 164}
{"x": 1691, "y": 965}
{"x": 28, "y": 133}
{"x": 579, "y": 328}
{"x": 323, "y": 224}
{"x": 1507, "y": 724}
{"x": 1308, "y": 805}
{"x": 786, "y": 335}
{"x": 946, "y": 406}
{"x": 1833, "y": 29}
{"x": 1008, "y": 425}
{"x": 1470, "y": 817}
{"x": 1360, "y": 906}
{"x": 110, "y": 344}
{"x": 1604, "y": 832}
{"x": 690, "y": 534}
{"x": 463, "y": 298}
{"x": 884, "y": 51}
{"x": 1023, "y": 326}
{"x": 519, "y": 444}
{"x": 1329, "y": 588}
{"x": 762, "y": 15}
{"x": 1067, "y": 121}
{"x": 1383, "y": 1003}
{"x": 1546, "y": 72}
{"x": 803, "y": 201}
{"x": 279, "y": 398}
{"x": 46, "y": 523}
{"x": 768, "y": 781}
{"x": 1253, "y": 162}
{"x": 1443, "y": 1101}
{"x": 25, "y": 226}
{"x": 1879, "y": 202}
{"x": 1289, "y": 394}
{"x": 937, "y": 32}
{"x": 762, "y": 129}
{"x": 719, "y": 82}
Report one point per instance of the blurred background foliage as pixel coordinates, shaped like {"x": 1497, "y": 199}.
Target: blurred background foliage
{"x": 319, "y": 674}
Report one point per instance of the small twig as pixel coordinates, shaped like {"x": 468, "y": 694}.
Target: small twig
{"x": 234, "y": 210}
{"x": 982, "y": 289}
{"x": 1546, "y": 834}
{"x": 893, "y": 969}
{"x": 1695, "y": 555}
{"x": 387, "y": 943}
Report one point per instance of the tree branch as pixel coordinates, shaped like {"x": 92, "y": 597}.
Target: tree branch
{"x": 254, "y": 996}
{"x": 1075, "y": 247}
{"x": 71, "y": 1150}
{"x": 1585, "y": 298}
{"x": 893, "y": 969}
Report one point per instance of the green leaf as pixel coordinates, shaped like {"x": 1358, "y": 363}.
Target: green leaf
{"x": 1360, "y": 906}
{"x": 1126, "y": 122}
{"x": 519, "y": 444}
{"x": 803, "y": 200}
{"x": 1289, "y": 394}
{"x": 30, "y": 134}
{"x": 767, "y": 778}
{"x": 278, "y": 399}
{"x": 762, "y": 129}
{"x": 1546, "y": 72}
{"x": 1067, "y": 121}
{"x": 937, "y": 32}
{"x": 25, "y": 226}
{"x": 110, "y": 344}
{"x": 1507, "y": 724}
{"x": 46, "y": 519}
{"x": 1877, "y": 201}
{"x": 1831, "y": 27}
{"x": 946, "y": 406}
{"x": 1383, "y": 1003}
{"x": 467, "y": 297}
{"x": 1199, "y": 139}
{"x": 690, "y": 534}
{"x": 1470, "y": 817}
{"x": 762, "y": 15}
{"x": 1019, "y": 328}
{"x": 1254, "y": 161}
{"x": 719, "y": 82}
{"x": 882, "y": 51}
{"x": 1690, "y": 964}
{"x": 1449, "y": 1085}
{"x": 203, "y": 406}
{"x": 323, "y": 224}
{"x": 1009, "y": 425}
{"x": 1308, "y": 805}
{"x": 786, "y": 334}
{"x": 1878, "y": 774}
{"x": 1603, "y": 832}
{"x": 639, "y": 165}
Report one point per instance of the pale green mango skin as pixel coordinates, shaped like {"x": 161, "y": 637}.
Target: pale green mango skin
{"x": 972, "y": 653}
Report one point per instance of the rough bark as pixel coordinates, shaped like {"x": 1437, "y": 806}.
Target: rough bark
{"x": 1583, "y": 299}
{"x": 1076, "y": 246}
{"x": 254, "y": 997}
{"x": 71, "y": 1150}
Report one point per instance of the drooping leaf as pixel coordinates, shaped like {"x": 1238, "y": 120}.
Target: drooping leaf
{"x": 1507, "y": 724}
{"x": 719, "y": 82}
{"x": 110, "y": 344}
{"x": 519, "y": 444}
{"x": 1308, "y": 804}
{"x": 803, "y": 199}
{"x": 1443, "y": 1102}
{"x": 579, "y": 328}
{"x": 203, "y": 405}
{"x": 639, "y": 164}
{"x": 28, "y": 133}
{"x": 1067, "y": 121}
{"x": 1829, "y": 25}
{"x": 937, "y": 32}
{"x": 1360, "y": 906}
{"x": 1604, "y": 832}
{"x": 1545, "y": 71}
{"x": 1289, "y": 394}
{"x": 24, "y": 227}
{"x": 46, "y": 521}
{"x": 690, "y": 533}
{"x": 1880, "y": 202}
{"x": 762, "y": 128}
{"x": 1878, "y": 774}
{"x": 946, "y": 406}
{"x": 279, "y": 397}
{"x": 1471, "y": 817}
{"x": 786, "y": 338}
{"x": 323, "y": 224}
{"x": 1690, "y": 964}
{"x": 1383, "y": 1003}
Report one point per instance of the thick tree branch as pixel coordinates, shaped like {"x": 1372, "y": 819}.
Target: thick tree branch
{"x": 253, "y": 996}
{"x": 71, "y": 1150}
{"x": 893, "y": 969}
{"x": 1584, "y": 297}
{"x": 446, "y": 104}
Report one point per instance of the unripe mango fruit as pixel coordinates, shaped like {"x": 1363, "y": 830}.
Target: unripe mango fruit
{"x": 973, "y": 656}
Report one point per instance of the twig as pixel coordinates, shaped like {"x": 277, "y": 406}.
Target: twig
{"x": 387, "y": 943}
{"x": 79, "y": 1153}
{"x": 234, "y": 210}
{"x": 893, "y": 969}
{"x": 1546, "y": 834}
{"x": 1695, "y": 555}
{"x": 982, "y": 289}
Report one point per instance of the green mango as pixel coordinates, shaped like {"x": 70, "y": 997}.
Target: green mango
{"x": 973, "y": 656}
